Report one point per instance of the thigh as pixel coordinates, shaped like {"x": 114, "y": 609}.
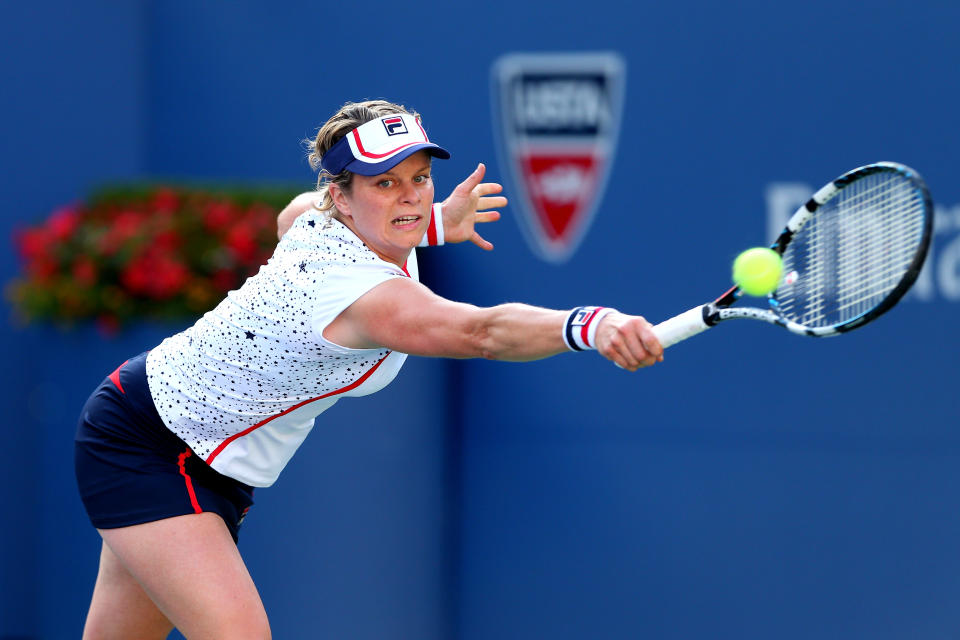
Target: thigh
{"x": 191, "y": 569}
{"x": 120, "y": 609}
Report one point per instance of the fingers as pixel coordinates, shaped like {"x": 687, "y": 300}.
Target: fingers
{"x": 488, "y": 188}
{"x": 491, "y": 202}
{"x": 633, "y": 351}
{"x": 631, "y": 343}
{"x": 476, "y": 238}
{"x": 630, "y": 354}
{"x": 472, "y": 202}
{"x": 486, "y": 216}
{"x": 650, "y": 342}
{"x": 472, "y": 181}
{"x": 479, "y": 240}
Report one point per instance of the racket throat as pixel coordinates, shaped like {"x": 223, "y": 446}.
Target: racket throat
{"x": 711, "y": 313}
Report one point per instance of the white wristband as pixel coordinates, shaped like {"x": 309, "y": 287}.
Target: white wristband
{"x": 580, "y": 329}
{"x": 434, "y": 235}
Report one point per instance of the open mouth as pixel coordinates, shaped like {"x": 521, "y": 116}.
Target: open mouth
{"x": 405, "y": 220}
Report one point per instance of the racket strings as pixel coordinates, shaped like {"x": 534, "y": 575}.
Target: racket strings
{"x": 853, "y": 251}
{"x": 867, "y": 265}
{"x": 850, "y": 271}
{"x": 876, "y": 264}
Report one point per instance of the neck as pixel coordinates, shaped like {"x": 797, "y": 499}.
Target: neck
{"x": 399, "y": 260}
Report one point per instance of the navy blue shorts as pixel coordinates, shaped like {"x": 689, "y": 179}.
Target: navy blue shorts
{"x": 132, "y": 469}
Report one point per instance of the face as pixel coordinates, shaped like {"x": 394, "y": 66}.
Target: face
{"x": 390, "y": 212}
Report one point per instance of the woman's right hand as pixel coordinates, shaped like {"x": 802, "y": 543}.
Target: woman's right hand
{"x": 628, "y": 341}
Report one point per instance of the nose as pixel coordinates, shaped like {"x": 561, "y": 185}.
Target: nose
{"x": 409, "y": 193}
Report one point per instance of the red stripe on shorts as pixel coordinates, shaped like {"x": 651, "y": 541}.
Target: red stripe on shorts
{"x": 115, "y": 377}
{"x": 189, "y": 482}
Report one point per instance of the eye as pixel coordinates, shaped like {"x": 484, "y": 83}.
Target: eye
{"x": 422, "y": 179}
{"x": 385, "y": 183}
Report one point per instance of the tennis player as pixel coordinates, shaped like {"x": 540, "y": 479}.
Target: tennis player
{"x": 170, "y": 446}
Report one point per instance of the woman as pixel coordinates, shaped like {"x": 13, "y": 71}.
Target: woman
{"x": 220, "y": 408}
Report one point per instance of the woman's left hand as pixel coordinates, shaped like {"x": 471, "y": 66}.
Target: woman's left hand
{"x": 468, "y": 205}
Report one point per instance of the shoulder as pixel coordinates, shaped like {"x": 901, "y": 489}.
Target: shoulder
{"x": 316, "y": 237}
{"x": 318, "y": 244}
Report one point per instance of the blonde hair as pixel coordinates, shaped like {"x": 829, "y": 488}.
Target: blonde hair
{"x": 349, "y": 117}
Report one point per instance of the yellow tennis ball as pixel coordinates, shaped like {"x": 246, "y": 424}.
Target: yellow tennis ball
{"x": 757, "y": 271}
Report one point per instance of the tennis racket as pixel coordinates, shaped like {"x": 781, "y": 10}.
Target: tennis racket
{"x": 849, "y": 254}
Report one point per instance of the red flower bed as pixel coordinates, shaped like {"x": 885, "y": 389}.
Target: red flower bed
{"x": 151, "y": 252}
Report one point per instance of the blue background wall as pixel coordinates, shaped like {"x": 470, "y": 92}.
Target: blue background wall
{"x": 564, "y": 498}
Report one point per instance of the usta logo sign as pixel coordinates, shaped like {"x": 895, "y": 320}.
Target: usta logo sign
{"x": 557, "y": 117}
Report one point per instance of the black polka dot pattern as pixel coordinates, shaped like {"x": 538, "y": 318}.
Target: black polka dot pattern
{"x": 230, "y": 380}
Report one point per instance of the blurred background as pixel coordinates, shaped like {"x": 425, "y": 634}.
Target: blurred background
{"x": 754, "y": 485}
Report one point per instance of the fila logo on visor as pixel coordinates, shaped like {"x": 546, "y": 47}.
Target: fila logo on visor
{"x": 394, "y": 126}
{"x": 378, "y": 145}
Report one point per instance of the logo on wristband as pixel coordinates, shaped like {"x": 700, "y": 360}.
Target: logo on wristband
{"x": 582, "y": 317}
{"x": 580, "y": 327}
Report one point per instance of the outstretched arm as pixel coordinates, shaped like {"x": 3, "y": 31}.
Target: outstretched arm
{"x": 403, "y": 315}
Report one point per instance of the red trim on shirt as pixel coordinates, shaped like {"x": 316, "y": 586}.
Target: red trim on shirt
{"x": 189, "y": 482}
{"x": 115, "y": 377}
{"x": 353, "y": 385}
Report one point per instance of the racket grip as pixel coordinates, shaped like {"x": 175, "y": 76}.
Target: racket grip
{"x": 680, "y": 327}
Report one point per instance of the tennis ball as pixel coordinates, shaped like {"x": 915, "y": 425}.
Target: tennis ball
{"x": 757, "y": 271}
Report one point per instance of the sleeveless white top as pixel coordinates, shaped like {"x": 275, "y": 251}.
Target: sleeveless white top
{"x": 243, "y": 385}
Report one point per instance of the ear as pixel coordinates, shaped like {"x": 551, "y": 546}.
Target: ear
{"x": 339, "y": 198}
